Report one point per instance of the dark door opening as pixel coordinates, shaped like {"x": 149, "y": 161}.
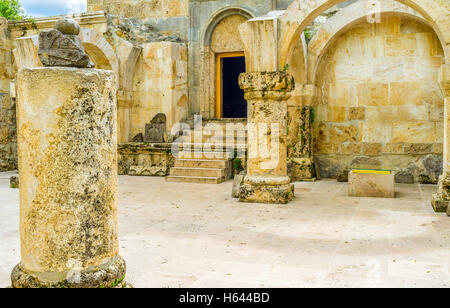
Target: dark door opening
{"x": 233, "y": 103}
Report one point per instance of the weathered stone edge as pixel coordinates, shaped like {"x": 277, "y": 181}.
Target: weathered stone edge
{"x": 111, "y": 276}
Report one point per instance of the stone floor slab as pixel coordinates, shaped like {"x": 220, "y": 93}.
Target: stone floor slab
{"x": 195, "y": 235}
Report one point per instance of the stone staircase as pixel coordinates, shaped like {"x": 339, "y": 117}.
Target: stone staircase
{"x": 202, "y": 171}
{"x": 204, "y": 165}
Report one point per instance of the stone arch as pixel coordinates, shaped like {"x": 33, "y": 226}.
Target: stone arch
{"x": 218, "y": 17}
{"x": 301, "y": 13}
{"x": 379, "y": 97}
{"x": 344, "y": 20}
{"x": 96, "y": 46}
{"x": 100, "y": 51}
{"x": 208, "y": 56}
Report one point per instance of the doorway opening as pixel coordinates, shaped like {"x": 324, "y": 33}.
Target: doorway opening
{"x": 230, "y": 102}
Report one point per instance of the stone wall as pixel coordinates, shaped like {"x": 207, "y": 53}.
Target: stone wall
{"x": 160, "y": 85}
{"x": 8, "y": 135}
{"x": 379, "y": 104}
{"x": 141, "y": 9}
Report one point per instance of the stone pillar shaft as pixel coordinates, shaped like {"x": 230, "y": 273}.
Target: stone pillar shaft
{"x": 67, "y": 140}
{"x": 267, "y": 180}
{"x": 300, "y": 112}
{"x": 441, "y": 200}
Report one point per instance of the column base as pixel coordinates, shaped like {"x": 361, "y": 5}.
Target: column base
{"x": 266, "y": 190}
{"x": 440, "y": 205}
{"x": 108, "y": 275}
{"x": 441, "y": 200}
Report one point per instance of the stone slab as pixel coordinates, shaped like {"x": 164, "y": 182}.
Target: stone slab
{"x": 371, "y": 184}
{"x": 439, "y": 205}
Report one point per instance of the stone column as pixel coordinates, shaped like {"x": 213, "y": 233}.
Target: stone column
{"x": 68, "y": 179}
{"x": 300, "y": 118}
{"x": 267, "y": 180}
{"x": 441, "y": 200}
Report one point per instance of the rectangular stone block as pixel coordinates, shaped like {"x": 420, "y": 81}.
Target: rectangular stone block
{"x": 371, "y": 183}
{"x": 439, "y": 205}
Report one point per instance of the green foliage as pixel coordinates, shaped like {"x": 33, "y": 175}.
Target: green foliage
{"x": 237, "y": 166}
{"x": 12, "y": 10}
{"x": 308, "y": 34}
{"x": 286, "y": 67}
{"x": 312, "y": 115}
{"x": 115, "y": 283}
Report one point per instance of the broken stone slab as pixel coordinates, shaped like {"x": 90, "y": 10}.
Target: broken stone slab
{"x": 62, "y": 46}
{"x": 14, "y": 182}
{"x": 371, "y": 183}
{"x": 343, "y": 177}
{"x": 156, "y": 130}
{"x": 138, "y": 138}
{"x": 238, "y": 182}
{"x": 404, "y": 178}
{"x": 439, "y": 205}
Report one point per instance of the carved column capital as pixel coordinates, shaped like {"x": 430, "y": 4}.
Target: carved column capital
{"x": 267, "y": 85}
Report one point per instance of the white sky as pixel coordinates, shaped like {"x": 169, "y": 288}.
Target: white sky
{"x": 40, "y": 8}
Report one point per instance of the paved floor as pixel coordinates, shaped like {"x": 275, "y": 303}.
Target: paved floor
{"x": 194, "y": 235}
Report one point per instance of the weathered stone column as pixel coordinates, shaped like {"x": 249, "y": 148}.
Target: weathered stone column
{"x": 300, "y": 118}
{"x": 67, "y": 143}
{"x": 441, "y": 200}
{"x": 267, "y": 180}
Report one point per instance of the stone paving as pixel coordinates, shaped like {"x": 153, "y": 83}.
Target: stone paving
{"x": 195, "y": 235}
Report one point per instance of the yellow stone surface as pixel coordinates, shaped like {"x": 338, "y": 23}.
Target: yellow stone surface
{"x": 225, "y": 37}
{"x": 375, "y": 184}
{"x": 160, "y": 86}
{"x": 141, "y": 9}
{"x": 68, "y": 169}
{"x": 379, "y": 89}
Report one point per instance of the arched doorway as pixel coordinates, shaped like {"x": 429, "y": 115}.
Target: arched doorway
{"x": 223, "y": 61}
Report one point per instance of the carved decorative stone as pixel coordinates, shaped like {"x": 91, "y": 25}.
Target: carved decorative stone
{"x": 62, "y": 47}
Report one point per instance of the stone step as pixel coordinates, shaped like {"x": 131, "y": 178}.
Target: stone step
{"x": 197, "y": 172}
{"x": 201, "y": 163}
{"x": 212, "y": 146}
{"x": 222, "y": 122}
{"x": 195, "y": 179}
{"x": 203, "y": 156}
{"x": 213, "y": 139}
